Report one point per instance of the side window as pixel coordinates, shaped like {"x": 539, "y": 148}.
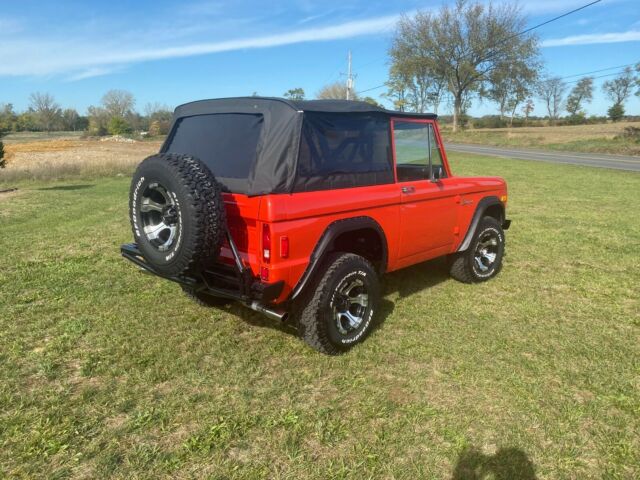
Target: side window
{"x": 415, "y": 143}
{"x": 340, "y": 150}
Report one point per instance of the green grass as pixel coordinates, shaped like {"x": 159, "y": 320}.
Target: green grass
{"x": 110, "y": 373}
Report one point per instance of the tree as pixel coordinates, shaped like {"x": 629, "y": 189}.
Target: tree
{"x": 7, "y": 118}
{"x": 118, "y": 103}
{"x": 371, "y": 101}
{"x": 581, "y": 93}
{"x": 70, "y": 119}
{"x": 510, "y": 86}
{"x": 619, "y": 89}
{"x": 159, "y": 117}
{"x": 337, "y": 90}
{"x": 294, "y": 94}
{"x": 527, "y": 108}
{"x": 464, "y": 45}
{"x": 98, "y": 121}
{"x": 47, "y": 112}
{"x": 616, "y": 112}
{"x": 551, "y": 92}
{"x": 118, "y": 126}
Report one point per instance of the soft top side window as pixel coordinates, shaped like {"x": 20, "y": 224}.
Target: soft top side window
{"x": 340, "y": 150}
{"x": 414, "y": 143}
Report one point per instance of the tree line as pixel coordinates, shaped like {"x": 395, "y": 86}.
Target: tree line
{"x": 115, "y": 115}
{"x": 474, "y": 50}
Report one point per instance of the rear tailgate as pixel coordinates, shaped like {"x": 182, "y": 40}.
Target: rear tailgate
{"x": 242, "y": 219}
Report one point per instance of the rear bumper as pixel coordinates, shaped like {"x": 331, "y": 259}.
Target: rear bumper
{"x": 221, "y": 281}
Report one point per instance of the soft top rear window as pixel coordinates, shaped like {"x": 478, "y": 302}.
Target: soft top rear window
{"x": 226, "y": 142}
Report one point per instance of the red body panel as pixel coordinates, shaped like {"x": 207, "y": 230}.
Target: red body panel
{"x": 428, "y": 222}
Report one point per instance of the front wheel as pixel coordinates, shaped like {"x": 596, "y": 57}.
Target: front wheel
{"x": 483, "y": 259}
{"x": 339, "y": 309}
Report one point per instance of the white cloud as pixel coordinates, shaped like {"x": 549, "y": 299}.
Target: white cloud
{"x": 83, "y": 58}
{"x": 614, "y": 37}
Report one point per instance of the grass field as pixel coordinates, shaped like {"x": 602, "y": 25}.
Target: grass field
{"x": 110, "y": 373}
{"x": 602, "y": 138}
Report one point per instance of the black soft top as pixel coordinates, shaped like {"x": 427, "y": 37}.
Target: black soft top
{"x": 257, "y": 103}
{"x": 278, "y": 132}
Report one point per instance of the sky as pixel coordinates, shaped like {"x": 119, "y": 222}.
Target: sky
{"x": 175, "y": 52}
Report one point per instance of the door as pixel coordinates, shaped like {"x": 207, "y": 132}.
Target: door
{"x": 428, "y": 210}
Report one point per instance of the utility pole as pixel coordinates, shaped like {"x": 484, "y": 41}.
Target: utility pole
{"x": 349, "y": 79}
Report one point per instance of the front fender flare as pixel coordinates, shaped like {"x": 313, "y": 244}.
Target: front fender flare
{"x": 482, "y": 206}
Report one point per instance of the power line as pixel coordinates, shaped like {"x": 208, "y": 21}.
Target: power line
{"x": 520, "y": 33}
{"x": 598, "y": 71}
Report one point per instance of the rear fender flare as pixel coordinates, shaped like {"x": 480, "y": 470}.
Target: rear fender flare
{"x": 482, "y": 206}
{"x": 324, "y": 245}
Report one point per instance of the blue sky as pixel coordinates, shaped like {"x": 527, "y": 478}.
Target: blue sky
{"x": 173, "y": 52}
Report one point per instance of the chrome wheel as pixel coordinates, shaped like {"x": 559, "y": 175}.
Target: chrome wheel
{"x": 160, "y": 216}
{"x": 349, "y": 305}
{"x": 486, "y": 250}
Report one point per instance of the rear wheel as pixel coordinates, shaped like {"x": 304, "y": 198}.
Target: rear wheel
{"x": 339, "y": 308}
{"x": 483, "y": 259}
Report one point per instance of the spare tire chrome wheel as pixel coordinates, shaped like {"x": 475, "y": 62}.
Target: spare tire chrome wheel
{"x": 160, "y": 216}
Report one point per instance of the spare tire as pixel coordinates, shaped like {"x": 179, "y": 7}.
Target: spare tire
{"x": 177, "y": 214}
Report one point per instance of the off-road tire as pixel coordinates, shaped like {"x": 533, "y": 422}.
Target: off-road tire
{"x": 316, "y": 322}
{"x": 203, "y": 299}
{"x": 200, "y": 212}
{"x": 463, "y": 265}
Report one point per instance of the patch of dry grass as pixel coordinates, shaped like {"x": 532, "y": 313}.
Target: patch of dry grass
{"x": 60, "y": 159}
{"x": 580, "y": 138}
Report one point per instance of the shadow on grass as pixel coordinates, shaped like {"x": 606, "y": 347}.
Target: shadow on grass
{"x": 505, "y": 464}
{"x": 67, "y": 187}
{"x": 416, "y": 278}
{"x": 406, "y": 282}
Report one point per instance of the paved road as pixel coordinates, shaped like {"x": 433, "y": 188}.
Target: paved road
{"x": 600, "y": 160}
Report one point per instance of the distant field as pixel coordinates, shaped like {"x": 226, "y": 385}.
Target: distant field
{"x": 22, "y": 137}
{"x": 109, "y": 373}
{"x": 38, "y": 158}
{"x": 578, "y": 138}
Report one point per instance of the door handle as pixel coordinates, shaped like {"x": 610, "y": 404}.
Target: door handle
{"x": 410, "y": 189}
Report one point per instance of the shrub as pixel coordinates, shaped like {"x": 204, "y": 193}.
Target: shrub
{"x": 630, "y": 133}
{"x": 616, "y": 112}
{"x": 118, "y": 126}
{"x": 489, "y": 121}
{"x": 2, "y": 162}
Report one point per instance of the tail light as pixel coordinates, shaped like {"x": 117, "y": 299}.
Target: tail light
{"x": 266, "y": 243}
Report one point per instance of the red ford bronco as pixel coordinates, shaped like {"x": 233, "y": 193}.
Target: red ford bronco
{"x": 299, "y": 207}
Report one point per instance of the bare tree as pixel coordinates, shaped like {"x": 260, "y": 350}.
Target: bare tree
{"x": 45, "y": 109}
{"x": 118, "y": 103}
{"x": 581, "y": 93}
{"x": 527, "y": 108}
{"x": 551, "y": 92}
{"x": 511, "y": 85}
{"x": 619, "y": 89}
{"x": 464, "y": 45}
{"x": 337, "y": 90}
{"x": 70, "y": 119}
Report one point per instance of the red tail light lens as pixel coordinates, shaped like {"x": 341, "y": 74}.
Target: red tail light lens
{"x": 284, "y": 247}
{"x": 264, "y": 274}
{"x": 266, "y": 243}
